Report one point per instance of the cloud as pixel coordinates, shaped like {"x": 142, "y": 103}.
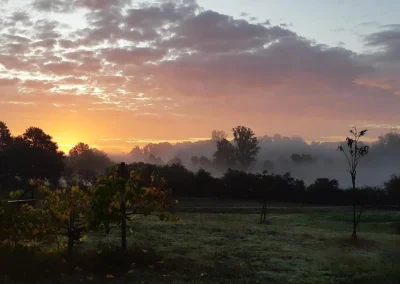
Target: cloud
{"x": 47, "y": 43}
{"x": 173, "y": 57}
{"x": 60, "y": 68}
{"x": 17, "y": 48}
{"x": 5, "y": 82}
{"x": 57, "y": 6}
{"x": 213, "y": 32}
{"x": 136, "y": 56}
{"x": 45, "y": 29}
{"x": 68, "y": 6}
{"x": 101, "y": 4}
{"x": 21, "y": 16}
{"x": 368, "y": 24}
{"x": 391, "y": 26}
{"x": 38, "y": 85}
{"x": 11, "y": 62}
{"x": 388, "y": 41}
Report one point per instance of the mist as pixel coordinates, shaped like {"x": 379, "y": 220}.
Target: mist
{"x": 382, "y": 161}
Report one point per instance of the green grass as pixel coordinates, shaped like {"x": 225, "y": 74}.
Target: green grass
{"x": 235, "y": 248}
{"x": 292, "y": 248}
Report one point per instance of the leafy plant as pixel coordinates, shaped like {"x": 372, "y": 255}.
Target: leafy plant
{"x": 67, "y": 214}
{"x": 122, "y": 194}
{"x": 22, "y": 225}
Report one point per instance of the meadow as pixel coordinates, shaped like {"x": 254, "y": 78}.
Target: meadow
{"x": 302, "y": 247}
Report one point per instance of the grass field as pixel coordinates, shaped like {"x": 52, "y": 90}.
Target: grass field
{"x": 235, "y": 248}
{"x": 292, "y": 248}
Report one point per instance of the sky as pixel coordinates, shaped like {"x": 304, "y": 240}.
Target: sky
{"x": 120, "y": 73}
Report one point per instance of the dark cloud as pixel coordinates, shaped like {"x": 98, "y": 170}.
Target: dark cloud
{"x": 388, "y": 41}
{"x": 15, "y": 38}
{"x": 90, "y": 65}
{"x": 136, "y": 56}
{"x": 266, "y": 23}
{"x": 17, "y": 48}
{"x": 67, "y": 6}
{"x": 46, "y": 43}
{"x": 66, "y": 43}
{"x": 213, "y": 32}
{"x": 101, "y": 4}
{"x": 20, "y": 17}
{"x": 45, "y": 29}
{"x": 57, "y": 6}
{"x": 291, "y": 61}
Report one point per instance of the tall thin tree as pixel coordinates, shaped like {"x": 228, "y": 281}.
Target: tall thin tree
{"x": 355, "y": 150}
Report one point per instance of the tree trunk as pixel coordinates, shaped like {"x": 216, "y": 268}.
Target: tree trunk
{"x": 70, "y": 250}
{"x": 123, "y": 226}
{"x": 264, "y": 211}
{"x": 354, "y": 235}
{"x": 70, "y": 247}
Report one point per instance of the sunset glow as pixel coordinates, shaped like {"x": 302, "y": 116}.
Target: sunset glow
{"x": 115, "y": 74}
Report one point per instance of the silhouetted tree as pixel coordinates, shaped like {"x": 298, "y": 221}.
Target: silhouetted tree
{"x": 195, "y": 162}
{"x": 323, "y": 190}
{"x": 246, "y": 146}
{"x": 353, "y": 154}
{"x": 205, "y": 184}
{"x": 157, "y": 150}
{"x": 205, "y": 163}
{"x": 85, "y": 164}
{"x": 6, "y": 171}
{"x": 218, "y": 135}
{"x": 392, "y": 187}
{"x": 386, "y": 151}
{"x": 36, "y": 156}
{"x": 5, "y": 136}
{"x": 225, "y": 156}
{"x": 151, "y": 159}
{"x": 175, "y": 161}
{"x": 137, "y": 154}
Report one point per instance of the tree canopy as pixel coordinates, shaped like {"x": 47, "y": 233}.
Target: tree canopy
{"x": 85, "y": 164}
{"x": 246, "y": 145}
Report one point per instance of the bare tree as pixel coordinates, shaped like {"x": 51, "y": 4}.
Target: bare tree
{"x": 354, "y": 151}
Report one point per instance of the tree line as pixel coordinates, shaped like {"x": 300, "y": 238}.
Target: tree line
{"x": 34, "y": 155}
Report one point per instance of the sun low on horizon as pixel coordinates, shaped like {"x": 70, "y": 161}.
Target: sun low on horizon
{"x": 116, "y": 74}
